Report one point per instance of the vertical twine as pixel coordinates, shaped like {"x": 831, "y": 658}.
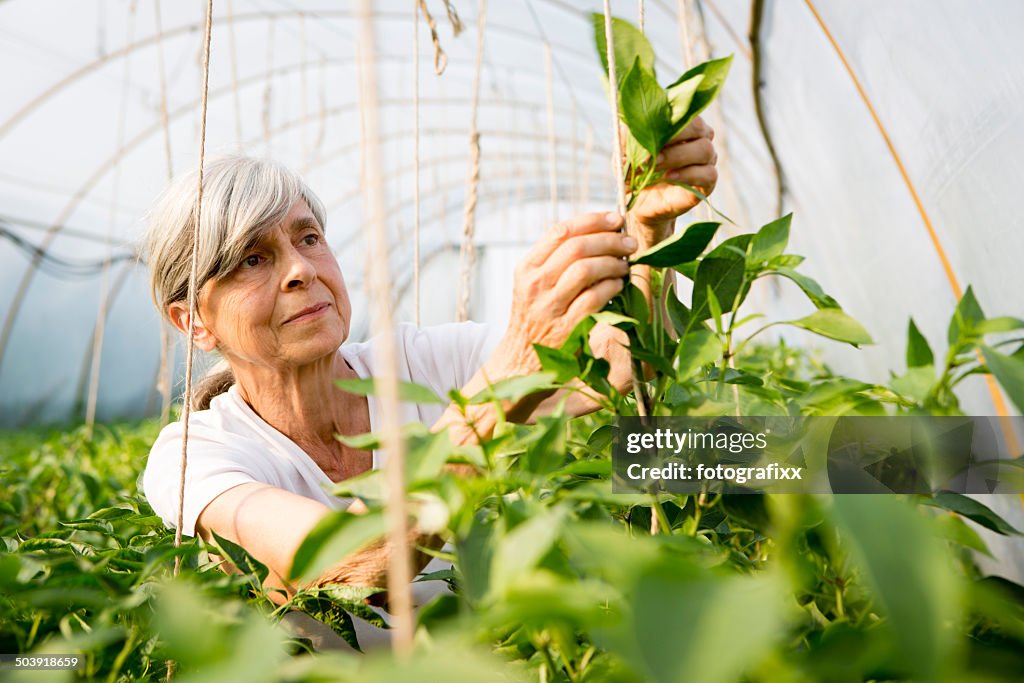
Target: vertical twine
{"x": 386, "y": 367}
{"x": 165, "y": 372}
{"x": 588, "y": 151}
{"x": 641, "y": 14}
{"x": 105, "y": 288}
{"x": 239, "y": 140}
{"x": 268, "y": 88}
{"x": 617, "y": 155}
{"x": 440, "y": 58}
{"x": 416, "y": 160}
{"x": 613, "y": 99}
{"x": 303, "y": 91}
{"x": 467, "y": 253}
{"x": 552, "y": 149}
{"x": 574, "y": 159}
{"x": 186, "y": 411}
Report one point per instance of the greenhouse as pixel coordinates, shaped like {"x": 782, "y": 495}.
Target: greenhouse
{"x": 540, "y": 340}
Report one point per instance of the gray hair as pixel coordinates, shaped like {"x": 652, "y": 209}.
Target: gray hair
{"x": 243, "y": 199}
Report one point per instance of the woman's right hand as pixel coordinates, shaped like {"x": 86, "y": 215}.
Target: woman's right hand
{"x": 573, "y": 271}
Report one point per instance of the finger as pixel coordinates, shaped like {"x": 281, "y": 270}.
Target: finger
{"x": 583, "y": 274}
{"x": 583, "y": 224}
{"x": 692, "y": 153}
{"x": 614, "y": 244}
{"x": 704, "y": 178}
{"x": 593, "y": 299}
{"x": 695, "y": 129}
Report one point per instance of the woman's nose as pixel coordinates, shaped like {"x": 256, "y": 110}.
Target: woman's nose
{"x": 299, "y": 271}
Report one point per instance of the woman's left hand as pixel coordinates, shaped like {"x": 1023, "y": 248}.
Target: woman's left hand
{"x": 689, "y": 158}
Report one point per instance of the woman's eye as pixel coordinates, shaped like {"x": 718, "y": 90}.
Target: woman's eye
{"x": 312, "y": 239}
{"x": 251, "y": 261}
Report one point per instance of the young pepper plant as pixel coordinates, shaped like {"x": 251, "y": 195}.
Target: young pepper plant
{"x": 652, "y": 115}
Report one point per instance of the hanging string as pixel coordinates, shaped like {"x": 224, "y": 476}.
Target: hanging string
{"x": 641, "y": 18}
{"x": 268, "y": 89}
{"x": 453, "y": 18}
{"x": 440, "y": 58}
{"x": 165, "y": 370}
{"x": 303, "y": 91}
{"x": 416, "y": 160}
{"x": 467, "y": 254}
{"x": 186, "y": 410}
{"x": 617, "y": 156}
{"x": 552, "y": 150}
{"x": 101, "y": 314}
{"x": 234, "y": 73}
{"x": 386, "y": 367}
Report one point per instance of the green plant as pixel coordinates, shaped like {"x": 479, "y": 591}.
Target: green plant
{"x": 555, "y": 577}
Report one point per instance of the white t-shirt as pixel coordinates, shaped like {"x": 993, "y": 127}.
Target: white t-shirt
{"x": 229, "y": 444}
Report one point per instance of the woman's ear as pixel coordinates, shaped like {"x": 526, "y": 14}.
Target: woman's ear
{"x": 204, "y": 339}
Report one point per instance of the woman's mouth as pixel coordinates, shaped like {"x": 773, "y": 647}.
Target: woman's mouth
{"x": 308, "y": 313}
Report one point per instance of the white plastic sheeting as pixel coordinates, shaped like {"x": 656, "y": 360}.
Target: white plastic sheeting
{"x": 82, "y": 154}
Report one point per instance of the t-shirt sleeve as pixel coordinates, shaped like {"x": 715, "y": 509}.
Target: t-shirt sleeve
{"x": 213, "y": 468}
{"x": 445, "y": 357}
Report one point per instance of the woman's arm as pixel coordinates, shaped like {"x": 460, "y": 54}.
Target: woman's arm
{"x": 572, "y": 272}
{"x": 271, "y": 523}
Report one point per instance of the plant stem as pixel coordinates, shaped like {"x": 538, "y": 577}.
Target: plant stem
{"x": 658, "y": 513}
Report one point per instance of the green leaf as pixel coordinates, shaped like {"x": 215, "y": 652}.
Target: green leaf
{"x": 523, "y": 547}
{"x": 636, "y": 155}
{"x": 678, "y": 313}
{"x": 770, "y": 241}
{"x": 1009, "y": 370}
{"x": 714, "y": 73}
{"x": 834, "y": 323}
{"x": 240, "y": 557}
{"x": 955, "y": 530}
{"x": 562, "y": 364}
{"x": 724, "y": 276}
{"x": 733, "y": 247}
{"x": 972, "y": 510}
{"x": 916, "y": 383}
{"x": 697, "y": 349}
{"x": 967, "y": 314}
{"x": 685, "y": 628}
{"x": 331, "y": 614}
{"x": 682, "y": 247}
{"x": 1003, "y": 323}
{"x": 716, "y": 310}
{"x": 680, "y": 95}
{"x": 335, "y": 537}
{"x": 785, "y": 261}
{"x": 810, "y": 287}
{"x": 905, "y": 562}
{"x": 515, "y": 388}
{"x": 475, "y": 555}
{"x": 407, "y": 391}
{"x": 645, "y": 108}
{"x": 919, "y": 353}
{"x": 630, "y": 45}
{"x": 615, "y": 319}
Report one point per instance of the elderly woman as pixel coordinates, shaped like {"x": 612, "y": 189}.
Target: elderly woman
{"x": 273, "y": 302}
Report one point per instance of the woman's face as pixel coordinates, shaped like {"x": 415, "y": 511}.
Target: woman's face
{"x": 285, "y": 305}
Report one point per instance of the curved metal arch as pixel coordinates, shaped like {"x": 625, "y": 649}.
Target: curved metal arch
{"x": 115, "y": 159}
{"x": 151, "y": 40}
{"x": 436, "y": 162}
